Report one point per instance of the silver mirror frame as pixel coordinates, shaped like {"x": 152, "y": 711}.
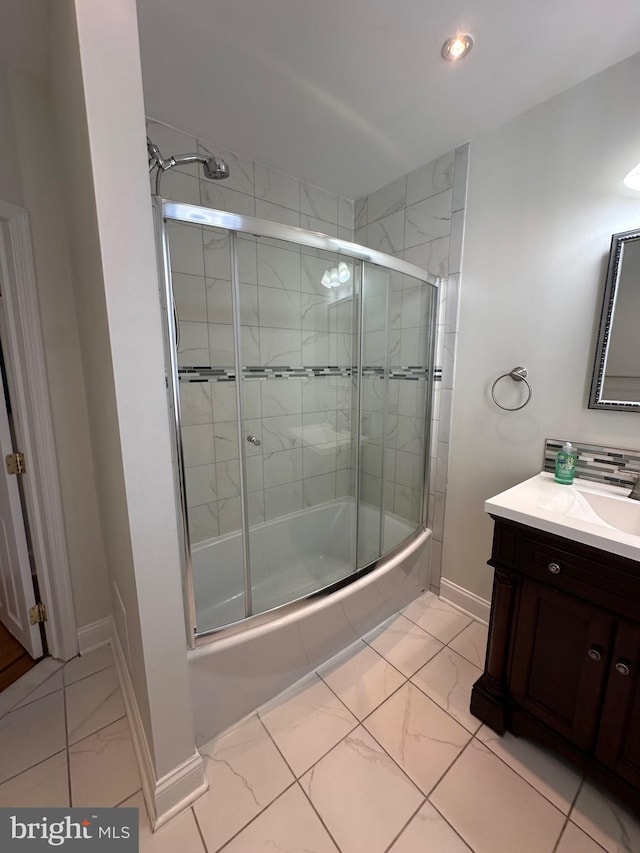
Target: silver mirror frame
{"x": 614, "y": 271}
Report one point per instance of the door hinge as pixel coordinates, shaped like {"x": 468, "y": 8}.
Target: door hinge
{"x": 37, "y": 613}
{"x": 16, "y": 463}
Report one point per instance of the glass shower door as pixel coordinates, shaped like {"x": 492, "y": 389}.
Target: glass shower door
{"x": 396, "y": 372}
{"x": 412, "y": 312}
{"x": 200, "y": 260}
{"x": 301, "y": 389}
{"x": 374, "y": 405}
{"x": 296, "y": 334}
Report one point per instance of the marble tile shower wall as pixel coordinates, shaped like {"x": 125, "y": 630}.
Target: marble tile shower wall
{"x": 420, "y": 217}
{"x": 288, "y": 318}
{"x": 252, "y": 189}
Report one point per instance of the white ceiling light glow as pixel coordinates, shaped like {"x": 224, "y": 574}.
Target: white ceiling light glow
{"x": 457, "y": 47}
{"x": 632, "y": 180}
{"x": 336, "y": 276}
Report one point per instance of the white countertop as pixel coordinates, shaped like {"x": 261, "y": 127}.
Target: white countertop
{"x": 568, "y": 511}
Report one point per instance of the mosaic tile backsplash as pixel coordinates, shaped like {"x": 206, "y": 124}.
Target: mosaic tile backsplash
{"x": 595, "y": 462}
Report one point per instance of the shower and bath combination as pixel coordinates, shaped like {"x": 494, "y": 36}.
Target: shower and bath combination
{"x": 302, "y": 419}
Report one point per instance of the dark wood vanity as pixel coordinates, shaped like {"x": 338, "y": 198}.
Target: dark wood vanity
{"x": 563, "y": 656}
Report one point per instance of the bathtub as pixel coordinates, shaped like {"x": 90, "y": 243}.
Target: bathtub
{"x": 237, "y": 671}
{"x": 291, "y": 557}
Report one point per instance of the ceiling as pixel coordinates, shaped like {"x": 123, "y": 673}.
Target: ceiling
{"x": 350, "y": 94}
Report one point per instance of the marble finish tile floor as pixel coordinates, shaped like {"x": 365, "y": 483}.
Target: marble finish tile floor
{"x": 375, "y": 752}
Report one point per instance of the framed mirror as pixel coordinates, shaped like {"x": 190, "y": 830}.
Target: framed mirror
{"x": 616, "y": 373}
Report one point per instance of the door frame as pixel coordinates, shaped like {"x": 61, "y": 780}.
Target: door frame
{"x": 30, "y": 399}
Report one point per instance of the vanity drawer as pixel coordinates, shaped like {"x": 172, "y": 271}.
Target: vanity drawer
{"x": 550, "y": 563}
{"x": 592, "y": 579}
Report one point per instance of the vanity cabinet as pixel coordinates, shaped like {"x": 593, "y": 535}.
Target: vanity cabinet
{"x": 563, "y": 654}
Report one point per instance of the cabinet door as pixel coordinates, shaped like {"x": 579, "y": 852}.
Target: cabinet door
{"x": 618, "y": 744}
{"x": 559, "y": 662}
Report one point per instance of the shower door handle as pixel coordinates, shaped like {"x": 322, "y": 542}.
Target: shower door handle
{"x": 253, "y": 440}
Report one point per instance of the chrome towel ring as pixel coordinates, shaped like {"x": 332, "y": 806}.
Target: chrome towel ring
{"x": 518, "y": 374}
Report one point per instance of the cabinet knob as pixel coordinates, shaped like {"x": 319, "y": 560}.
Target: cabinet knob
{"x": 554, "y": 568}
{"x": 594, "y": 654}
{"x": 623, "y": 668}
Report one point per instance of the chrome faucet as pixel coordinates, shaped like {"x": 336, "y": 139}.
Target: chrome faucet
{"x": 634, "y": 494}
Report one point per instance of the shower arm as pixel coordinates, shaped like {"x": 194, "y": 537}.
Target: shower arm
{"x": 215, "y": 168}
{"x": 184, "y": 158}
{"x": 164, "y": 165}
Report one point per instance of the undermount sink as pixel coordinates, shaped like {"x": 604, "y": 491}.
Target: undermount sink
{"x": 584, "y": 501}
{"x": 596, "y": 514}
{"x": 619, "y": 512}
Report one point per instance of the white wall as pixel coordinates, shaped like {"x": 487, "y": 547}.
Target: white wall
{"x": 42, "y": 190}
{"x": 101, "y": 125}
{"x": 10, "y": 184}
{"x": 93, "y": 328}
{"x": 29, "y": 177}
{"x": 545, "y": 194}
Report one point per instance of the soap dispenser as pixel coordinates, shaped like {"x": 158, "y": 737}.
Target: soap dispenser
{"x": 566, "y": 464}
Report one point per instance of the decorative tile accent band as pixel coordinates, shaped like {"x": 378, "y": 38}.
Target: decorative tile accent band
{"x": 228, "y": 374}
{"x": 595, "y": 462}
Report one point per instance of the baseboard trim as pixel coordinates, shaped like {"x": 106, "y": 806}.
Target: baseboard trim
{"x": 138, "y": 735}
{"x": 465, "y": 600}
{"x": 174, "y": 791}
{"x": 179, "y": 788}
{"x": 94, "y": 635}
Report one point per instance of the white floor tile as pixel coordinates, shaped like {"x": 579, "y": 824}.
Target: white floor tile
{"x": 554, "y": 778}
{"x": 361, "y": 678}
{"x": 29, "y": 735}
{"x": 44, "y": 786}
{"x": 493, "y": 809}
{"x": 103, "y": 767}
{"x": 306, "y": 722}
{"x": 51, "y": 685}
{"x": 472, "y": 643}
{"x": 246, "y": 773}
{"x": 93, "y": 703}
{"x": 364, "y": 781}
{"x": 288, "y": 825}
{"x": 362, "y": 796}
{"x": 19, "y": 693}
{"x": 436, "y": 617}
{"x": 179, "y": 834}
{"x": 606, "y": 820}
{"x": 84, "y": 665}
{"x": 429, "y": 831}
{"x": 448, "y": 679}
{"x": 403, "y": 644}
{"x": 574, "y": 840}
{"x": 419, "y": 735}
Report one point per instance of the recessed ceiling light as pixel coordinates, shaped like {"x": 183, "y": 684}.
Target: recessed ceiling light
{"x": 457, "y": 47}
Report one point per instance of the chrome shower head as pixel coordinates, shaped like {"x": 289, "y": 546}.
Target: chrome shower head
{"x": 216, "y": 168}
